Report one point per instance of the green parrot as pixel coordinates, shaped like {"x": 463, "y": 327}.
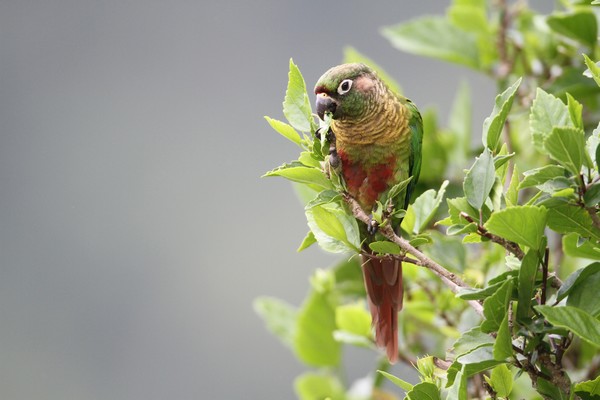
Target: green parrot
{"x": 378, "y": 136}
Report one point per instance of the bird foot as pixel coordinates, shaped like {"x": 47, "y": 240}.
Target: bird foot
{"x": 318, "y": 133}
{"x": 372, "y": 226}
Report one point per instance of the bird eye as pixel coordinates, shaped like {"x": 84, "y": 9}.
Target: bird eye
{"x": 344, "y": 86}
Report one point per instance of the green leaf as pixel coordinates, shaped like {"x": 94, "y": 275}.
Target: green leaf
{"x": 540, "y": 175}
{"x": 547, "y": 112}
{"x": 307, "y": 159}
{"x": 494, "y": 124}
{"x": 496, "y": 194}
{"x": 585, "y": 249}
{"x": 567, "y": 218}
{"x": 495, "y": 307}
{"x": 477, "y": 356}
{"x": 580, "y": 25}
{"x": 566, "y": 145}
{"x": 503, "y": 345}
{"x": 480, "y": 179}
{"x": 352, "y": 339}
{"x": 587, "y": 389}
{"x": 585, "y": 294}
{"x": 397, "y": 381}
{"x": 512, "y": 193}
{"x": 578, "y": 321}
{"x": 420, "y": 240}
{"x": 458, "y": 389}
{"x": 593, "y": 70}
{"x": 501, "y": 380}
{"x": 425, "y": 366}
{"x": 593, "y": 148}
{"x": 522, "y": 224}
{"x": 424, "y": 391}
{"x": 526, "y": 284}
{"x": 351, "y": 55}
{"x": 279, "y": 317}
{"x": 302, "y": 174}
{"x": 460, "y": 204}
{"x": 575, "y": 111}
{"x": 285, "y": 130}
{"x": 353, "y": 318}
{"x": 435, "y": 37}
{"x": 384, "y": 247}
{"x": 296, "y": 105}
{"x": 592, "y": 195}
{"x": 576, "y": 278}
{"x": 470, "y": 340}
{"x": 324, "y": 197}
{"x": 421, "y": 212}
{"x": 478, "y": 360}
{"x": 459, "y": 229}
{"x": 308, "y": 241}
{"x": 313, "y": 342}
{"x": 510, "y": 274}
{"x": 501, "y": 159}
{"x": 550, "y": 390}
{"x": 556, "y": 186}
{"x": 334, "y": 229}
{"x": 397, "y": 189}
{"x": 469, "y": 17}
{"x": 478, "y": 293}
{"x": 312, "y": 386}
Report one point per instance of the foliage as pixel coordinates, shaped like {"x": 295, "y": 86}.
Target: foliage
{"x": 525, "y": 242}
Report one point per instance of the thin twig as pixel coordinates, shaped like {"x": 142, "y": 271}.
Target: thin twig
{"x": 441, "y": 364}
{"x": 545, "y": 275}
{"x": 451, "y": 280}
{"x": 594, "y": 214}
{"x": 507, "y": 244}
{"x": 488, "y": 389}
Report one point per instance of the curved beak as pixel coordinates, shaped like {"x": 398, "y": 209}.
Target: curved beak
{"x": 325, "y": 104}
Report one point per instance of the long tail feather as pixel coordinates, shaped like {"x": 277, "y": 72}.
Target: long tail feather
{"x": 383, "y": 281}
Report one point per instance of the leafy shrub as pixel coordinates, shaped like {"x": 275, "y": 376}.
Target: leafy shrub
{"x": 515, "y": 312}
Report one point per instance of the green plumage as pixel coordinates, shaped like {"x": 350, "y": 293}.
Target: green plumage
{"x": 378, "y": 139}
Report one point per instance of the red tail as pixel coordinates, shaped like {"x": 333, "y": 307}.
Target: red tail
{"x": 383, "y": 281}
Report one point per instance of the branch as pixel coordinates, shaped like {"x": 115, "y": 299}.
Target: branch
{"x": 595, "y": 219}
{"x": 451, "y": 280}
{"x": 507, "y": 244}
{"x": 545, "y": 275}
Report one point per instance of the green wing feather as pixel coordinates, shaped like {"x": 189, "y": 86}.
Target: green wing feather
{"x": 416, "y": 143}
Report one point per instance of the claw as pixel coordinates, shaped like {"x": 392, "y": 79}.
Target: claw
{"x": 318, "y": 133}
{"x": 372, "y": 227}
{"x": 330, "y": 136}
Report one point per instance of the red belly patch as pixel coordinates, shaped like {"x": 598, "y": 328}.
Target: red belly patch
{"x": 366, "y": 184}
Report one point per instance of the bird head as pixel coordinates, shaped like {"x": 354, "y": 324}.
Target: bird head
{"x": 345, "y": 90}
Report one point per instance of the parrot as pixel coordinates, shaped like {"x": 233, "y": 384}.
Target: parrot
{"x": 378, "y": 139}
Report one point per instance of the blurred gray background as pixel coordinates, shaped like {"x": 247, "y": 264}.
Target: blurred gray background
{"x": 134, "y": 228}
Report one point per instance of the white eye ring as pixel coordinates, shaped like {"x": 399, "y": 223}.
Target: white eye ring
{"x": 345, "y": 86}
